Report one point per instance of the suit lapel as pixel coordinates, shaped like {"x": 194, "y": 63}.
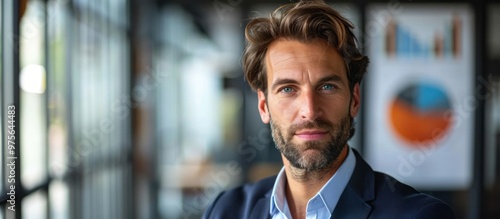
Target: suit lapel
{"x": 350, "y": 205}
{"x": 359, "y": 190}
{"x": 261, "y": 208}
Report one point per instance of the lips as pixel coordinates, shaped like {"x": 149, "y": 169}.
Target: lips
{"x": 311, "y": 134}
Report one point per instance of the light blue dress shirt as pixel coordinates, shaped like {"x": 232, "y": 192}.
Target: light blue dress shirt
{"x": 323, "y": 203}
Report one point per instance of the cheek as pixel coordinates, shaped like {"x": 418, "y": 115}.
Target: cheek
{"x": 336, "y": 109}
{"x": 284, "y": 111}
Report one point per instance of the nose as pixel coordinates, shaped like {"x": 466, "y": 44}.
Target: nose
{"x": 309, "y": 107}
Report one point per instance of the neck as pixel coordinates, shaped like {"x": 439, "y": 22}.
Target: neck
{"x": 302, "y": 185}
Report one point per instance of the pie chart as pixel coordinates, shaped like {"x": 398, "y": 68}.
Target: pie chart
{"x": 420, "y": 113}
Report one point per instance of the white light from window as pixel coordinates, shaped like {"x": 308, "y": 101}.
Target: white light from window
{"x": 32, "y": 79}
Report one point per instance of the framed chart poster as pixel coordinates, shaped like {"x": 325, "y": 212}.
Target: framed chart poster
{"x": 420, "y": 102}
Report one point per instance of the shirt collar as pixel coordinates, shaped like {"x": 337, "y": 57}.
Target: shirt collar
{"x": 327, "y": 196}
{"x": 278, "y": 197}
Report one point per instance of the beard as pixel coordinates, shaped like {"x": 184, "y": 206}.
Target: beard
{"x": 327, "y": 151}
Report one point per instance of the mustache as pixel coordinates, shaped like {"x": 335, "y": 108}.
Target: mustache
{"x": 318, "y": 123}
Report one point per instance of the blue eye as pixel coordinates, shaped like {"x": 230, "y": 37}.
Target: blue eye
{"x": 327, "y": 87}
{"x": 287, "y": 89}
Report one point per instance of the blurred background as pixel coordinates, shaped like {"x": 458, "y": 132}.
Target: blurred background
{"x": 139, "y": 109}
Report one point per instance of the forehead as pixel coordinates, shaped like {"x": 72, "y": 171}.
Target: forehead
{"x": 291, "y": 58}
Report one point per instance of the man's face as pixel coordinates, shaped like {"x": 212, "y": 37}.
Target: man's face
{"x": 308, "y": 102}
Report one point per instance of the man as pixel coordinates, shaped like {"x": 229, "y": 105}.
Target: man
{"x": 305, "y": 66}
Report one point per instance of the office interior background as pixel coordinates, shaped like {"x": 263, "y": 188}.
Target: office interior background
{"x": 139, "y": 109}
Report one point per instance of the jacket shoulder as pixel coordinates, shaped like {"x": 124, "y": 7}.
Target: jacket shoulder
{"x": 399, "y": 199}
{"x": 239, "y": 202}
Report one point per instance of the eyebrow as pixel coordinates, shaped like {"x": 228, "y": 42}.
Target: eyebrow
{"x": 332, "y": 78}
{"x": 281, "y": 81}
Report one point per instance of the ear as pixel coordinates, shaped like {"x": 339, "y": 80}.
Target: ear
{"x": 355, "y": 101}
{"x": 263, "y": 110}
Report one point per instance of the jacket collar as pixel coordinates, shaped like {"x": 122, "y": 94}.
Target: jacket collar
{"x": 359, "y": 191}
{"x": 261, "y": 208}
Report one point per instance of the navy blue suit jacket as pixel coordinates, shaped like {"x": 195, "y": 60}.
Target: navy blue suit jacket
{"x": 369, "y": 194}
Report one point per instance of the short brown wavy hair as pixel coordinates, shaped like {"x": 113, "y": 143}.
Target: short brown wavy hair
{"x": 303, "y": 21}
